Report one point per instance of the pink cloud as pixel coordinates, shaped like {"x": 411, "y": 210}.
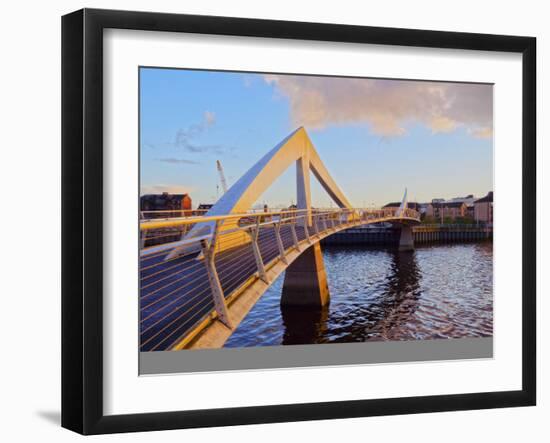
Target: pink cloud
{"x": 386, "y": 105}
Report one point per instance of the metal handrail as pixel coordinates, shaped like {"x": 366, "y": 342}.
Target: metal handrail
{"x": 148, "y": 224}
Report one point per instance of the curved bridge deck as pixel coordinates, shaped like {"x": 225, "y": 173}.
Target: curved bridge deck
{"x": 177, "y": 300}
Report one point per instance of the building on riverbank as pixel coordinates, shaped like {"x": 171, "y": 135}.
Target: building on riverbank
{"x": 450, "y": 210}
{"x": 165, "y": 202}
{"x": 483, "y": 209}
{"x": 469, "y": 201}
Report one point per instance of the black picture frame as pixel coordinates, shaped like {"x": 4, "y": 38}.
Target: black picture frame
{"x": 82, "y": 218}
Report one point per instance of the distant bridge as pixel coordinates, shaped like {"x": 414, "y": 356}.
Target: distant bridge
{"x": 195, "y": 291}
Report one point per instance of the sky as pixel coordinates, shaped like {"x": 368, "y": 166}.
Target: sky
{"x": 375, "y": 136}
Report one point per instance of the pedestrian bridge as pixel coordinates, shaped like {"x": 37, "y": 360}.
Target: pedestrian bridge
{"x": 196, "y": 290}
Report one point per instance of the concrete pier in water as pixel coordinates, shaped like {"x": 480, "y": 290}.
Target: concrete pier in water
{"x": 406, "y": 239}
{"x": 306, "y": 280}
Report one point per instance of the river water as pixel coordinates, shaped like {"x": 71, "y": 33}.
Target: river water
{"x": 441, "y": 291}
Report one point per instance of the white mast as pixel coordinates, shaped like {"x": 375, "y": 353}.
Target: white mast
{"x": 222, "y": 176}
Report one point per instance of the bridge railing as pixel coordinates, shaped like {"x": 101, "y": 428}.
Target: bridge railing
{"x": 169, "y": 233}
{"x": 185, "y": 284}
{"x": 171, "y": 213}
{"x": 411, "y": 213}
{"x": 159, "y": 229}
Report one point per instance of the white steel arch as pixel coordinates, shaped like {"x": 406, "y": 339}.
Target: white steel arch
{"x": 295, "y": 148}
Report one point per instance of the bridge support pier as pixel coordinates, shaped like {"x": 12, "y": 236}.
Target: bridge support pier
{"x": 406, "y": 239}
{"x": 306, "y": 280}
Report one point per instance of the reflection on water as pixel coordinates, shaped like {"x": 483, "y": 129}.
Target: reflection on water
{"x": 303, "y": 326}
{"x": 442, "y": 291}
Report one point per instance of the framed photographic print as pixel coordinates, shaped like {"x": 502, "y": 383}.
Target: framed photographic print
{"x": 270, "y": 221}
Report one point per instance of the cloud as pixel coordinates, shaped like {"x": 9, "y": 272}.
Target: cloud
{"x": 160, "y": 188}
{"x": 178, "y": 161}
{"x": 485, "y": 132}
{"x": 386, "y": 105}
{"x": 185, "y": 137}
{"x": 248, "y": 80}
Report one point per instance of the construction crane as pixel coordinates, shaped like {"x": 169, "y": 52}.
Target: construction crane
{"x": 222, "y": 176}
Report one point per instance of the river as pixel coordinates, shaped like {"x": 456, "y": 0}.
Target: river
{"x": 438, "y": 291}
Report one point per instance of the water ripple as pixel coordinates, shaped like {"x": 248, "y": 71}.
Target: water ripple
{"x": 442, "y": 291}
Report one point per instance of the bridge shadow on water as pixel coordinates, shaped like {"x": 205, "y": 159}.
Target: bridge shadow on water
{"x": 304, "y": 326}
{"x": 375, "y": 313}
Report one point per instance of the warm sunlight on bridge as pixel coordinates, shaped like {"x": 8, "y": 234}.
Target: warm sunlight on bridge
{"x": 195, "y": 291}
